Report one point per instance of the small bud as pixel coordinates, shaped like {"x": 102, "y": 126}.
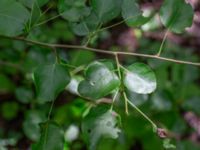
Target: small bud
{"x": 162, "y": 133}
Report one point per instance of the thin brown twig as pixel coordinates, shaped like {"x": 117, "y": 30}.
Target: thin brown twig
{"x": 49, "y": 45}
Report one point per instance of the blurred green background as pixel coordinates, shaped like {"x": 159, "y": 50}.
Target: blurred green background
{"x": 175, "y": 105}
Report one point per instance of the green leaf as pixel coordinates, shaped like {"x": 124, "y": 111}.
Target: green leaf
{"x": 50, "y": 80}
{"x": 13, "y": 17}
{"x": 161, "y": 101}
{"x": 31, "y": 126}
{"x": 109, "y": 63}
{"x": 99, "y": 82}
{"x": 100, "y": 123}
{"x": 6, "y": 110}
{"x": 30, "y": 3}
{"x": 82, "y": 19}
{"x": 176, "y": 15}
{"x": 6, "y": 84}
{"x": 86, "y": 26}
{"x": 35, "y": 14}
{"x": 106, "y": 10}
{"x": 24, "y": 94}
{"x": 52, "y": 137}
{"x": 139, "y": 78}
{"x": 36, "y": 57}
{"x": 80, "y": 29}
{"x": 132, "y": 13}
{"x": 72, "y": 10}
{"x": 81, "y": 57}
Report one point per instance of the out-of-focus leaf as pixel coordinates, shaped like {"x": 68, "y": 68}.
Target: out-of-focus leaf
{"x": 13, "y": 17}
{"x": 31, "y": 124}
{"x": 86, "y": 26}
{"x": 6, "y": 85}
{"x": 73, "y": 11}
{"x": 23, "y": 94}
{"x": 137, "y": 99}
{"x": 80, "y": 29}
{"x": 52, "y": 137}
{"x": 176, "y": 15}
{"x": 152, "y": 23}
{"x": 37, "y": 56}
{"x": 132, "y": 14}
{"x": 35, "y": 14}
{"x": 99, "y": 123}
{"x": 50, "y": 80}
{"x": 61, "y": 25}
{"x": 9, "y": 110}
{"x": 30, "y": 3}
{"x": 106, "y": 10}
{"x": 161, "y": 101}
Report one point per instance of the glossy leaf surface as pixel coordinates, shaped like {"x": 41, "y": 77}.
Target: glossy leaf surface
{"x": 139, "y": 78}
{"x": 99, "y": 81}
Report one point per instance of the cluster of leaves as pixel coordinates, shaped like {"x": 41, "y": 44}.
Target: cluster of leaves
{"x": 101, "y": 78}
{"x": 86, "y": 18}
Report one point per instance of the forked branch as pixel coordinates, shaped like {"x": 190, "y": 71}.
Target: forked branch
{"x": 66, "y": 46}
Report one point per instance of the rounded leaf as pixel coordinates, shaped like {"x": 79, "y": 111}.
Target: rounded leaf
{"x": 99, "y": 82}
{"x": 176, "y": 15}
{"x": 13, "y": 17}
{"x": 132, "y": 13}
{"x": 139, "y": 78}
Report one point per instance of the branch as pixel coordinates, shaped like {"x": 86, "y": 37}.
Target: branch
{"x": 162, "y": 44}
{"x": 154, "y": 126}
{"x": 49, "y": 45}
